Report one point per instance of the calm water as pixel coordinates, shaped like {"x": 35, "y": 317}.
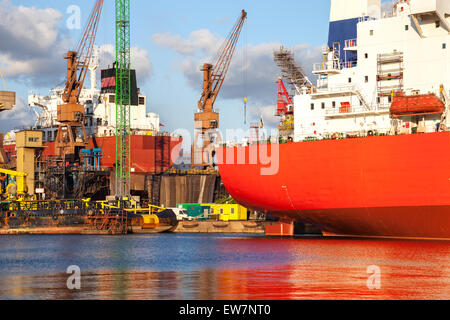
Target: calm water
{"x": 221, "y": 267}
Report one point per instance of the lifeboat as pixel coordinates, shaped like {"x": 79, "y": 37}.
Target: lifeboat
{"x": 416, "y": 105}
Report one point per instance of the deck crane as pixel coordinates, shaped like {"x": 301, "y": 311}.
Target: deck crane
{"x": 285, "y": 110}
{"x": 285, "y": 106}
{"x": 71, "y": 136}
{"x": 207, "y": 119}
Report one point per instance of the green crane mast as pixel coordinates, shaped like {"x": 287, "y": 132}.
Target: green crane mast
{"x": 123, "y": 99}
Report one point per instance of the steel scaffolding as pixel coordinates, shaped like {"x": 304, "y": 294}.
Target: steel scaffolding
{"x": 123, "y": 98}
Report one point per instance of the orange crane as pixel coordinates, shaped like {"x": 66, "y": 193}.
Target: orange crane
{"x": 207, "y": 119}
{"x": 71, "y": 136}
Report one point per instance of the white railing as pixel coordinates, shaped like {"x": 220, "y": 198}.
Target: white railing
{"x": 367, "y": 132}
{"x": 349, "y": 64}
{"x": 340, "y": 110}
{"x": 334, "y": 65}
{"x": 366, "y": 18}
{"x": 351, "y": 43}
{"x": 338, "y": 89}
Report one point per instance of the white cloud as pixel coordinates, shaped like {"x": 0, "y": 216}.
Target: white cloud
{"x": 253, "y": 72}
{"x": 387, "y": 6}
{"x": 28, "y": 31}
{"x": 31, "y": 44}
{"x": 202, "y": 40}
{"x": 18, "y": 117}
{"x": 267, "y": 113}
{"x": 32, "y": 47}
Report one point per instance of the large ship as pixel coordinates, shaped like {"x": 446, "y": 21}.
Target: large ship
{"x": 370, "y": 151}
{"x": 152, "y": 152}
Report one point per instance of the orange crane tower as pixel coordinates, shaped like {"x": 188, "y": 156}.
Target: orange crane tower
{"x": 207, "y": 119}
{"x": 71, "y": 136}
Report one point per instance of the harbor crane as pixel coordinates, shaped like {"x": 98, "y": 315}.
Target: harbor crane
{"x": 71, "y": 137}
{"x": 207, "y": 119}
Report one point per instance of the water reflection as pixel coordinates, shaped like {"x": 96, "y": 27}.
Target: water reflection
{"x": 237, "y": 268}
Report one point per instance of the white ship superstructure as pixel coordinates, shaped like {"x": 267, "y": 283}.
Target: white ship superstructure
{"x": 100, "y": 110}
{"x": 372, "y": 58}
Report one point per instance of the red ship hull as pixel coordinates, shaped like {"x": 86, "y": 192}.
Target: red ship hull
{"x": 392, "y": 186}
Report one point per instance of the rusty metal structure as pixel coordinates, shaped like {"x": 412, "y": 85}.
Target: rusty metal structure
{"x": 71, "y": 137}
{"x": 290, "y": 70}
{"x": 207, "y": 119}
{"x": 70, "y": 216}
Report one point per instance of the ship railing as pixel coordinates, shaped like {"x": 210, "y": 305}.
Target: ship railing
{"x": 366, "y": 18}
{"x": 342, "y": 110}
{"x": 349, "y": 64}
{"x": 329, "y": 66}
{"x": 54, "y": 207}
{"x": 350, "y": 43}
{"x": 337, "y": 89}
{"x": 405, "y": 129}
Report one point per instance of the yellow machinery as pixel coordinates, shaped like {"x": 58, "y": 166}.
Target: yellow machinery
{"x": 149, "y": 218}
{"x": 20, "y": 183}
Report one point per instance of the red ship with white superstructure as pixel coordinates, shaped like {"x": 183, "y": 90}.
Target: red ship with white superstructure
{"x": 371, "y": 143}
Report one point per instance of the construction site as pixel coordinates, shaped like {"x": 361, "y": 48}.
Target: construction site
{"x": 79, "y": 170}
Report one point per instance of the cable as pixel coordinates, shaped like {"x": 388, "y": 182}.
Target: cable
{"x": 245, "y": 74}
{"x": 4, "y": 83}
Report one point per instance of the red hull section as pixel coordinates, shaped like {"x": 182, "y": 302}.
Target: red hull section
{"x": 393, "y": 186}
{"x": 149, "y": 154}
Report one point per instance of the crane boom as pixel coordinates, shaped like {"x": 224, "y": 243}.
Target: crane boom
{"x": 78, "y": 61}
{"x": 206, "y": 120}
{"x": 71, "y": 137}
{"x": 215, "y": 76}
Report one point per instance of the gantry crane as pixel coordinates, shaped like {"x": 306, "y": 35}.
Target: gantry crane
{"x": 71, "y": 136}
{"x": 123, "y": 99}
{"x": 207, "y": 119}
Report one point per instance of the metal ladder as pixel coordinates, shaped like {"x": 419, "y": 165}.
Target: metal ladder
{"x": 445, "y": 114}
{"x": 361, "y": 98}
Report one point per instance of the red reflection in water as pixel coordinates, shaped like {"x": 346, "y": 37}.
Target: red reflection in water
{"x": 338, "y": 269}
{"x": 310, "y": 269}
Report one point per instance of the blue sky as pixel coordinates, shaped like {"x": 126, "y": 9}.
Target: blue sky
{"x": 163, "y": 32}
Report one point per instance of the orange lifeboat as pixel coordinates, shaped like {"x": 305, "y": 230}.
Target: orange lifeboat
{"x": 416, "y": 105}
